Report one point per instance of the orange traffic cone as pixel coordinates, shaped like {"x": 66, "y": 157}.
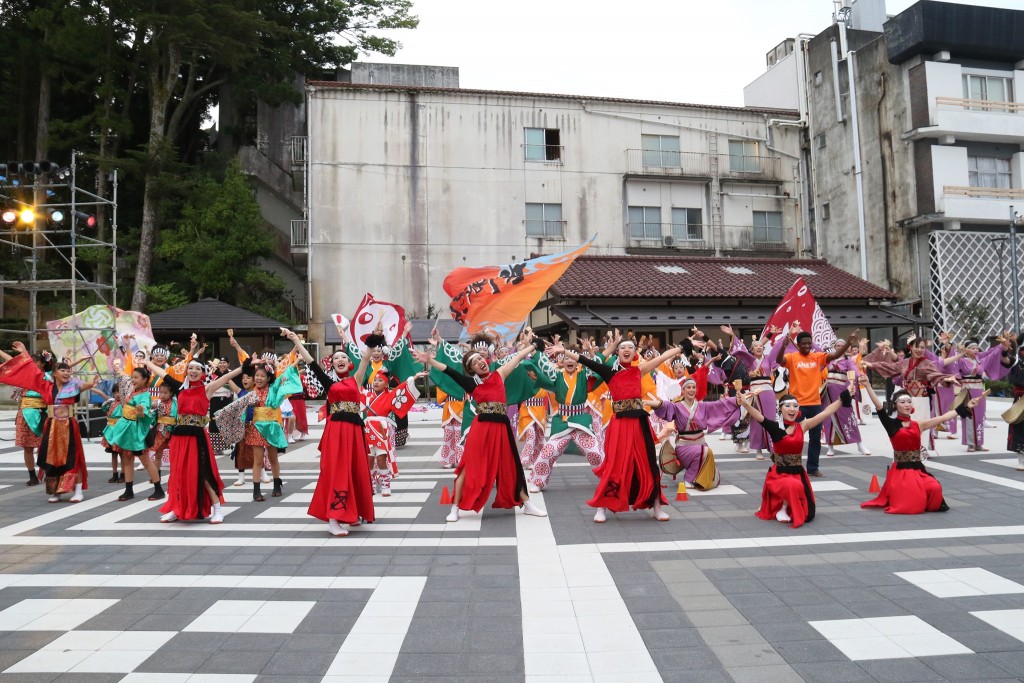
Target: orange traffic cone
{"x": 874, "y": 487}
{"x": 446, "y": 497}
{"x": 681, "y": 492}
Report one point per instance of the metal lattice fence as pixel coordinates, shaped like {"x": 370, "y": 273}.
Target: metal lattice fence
{"x": 967, "y": 264}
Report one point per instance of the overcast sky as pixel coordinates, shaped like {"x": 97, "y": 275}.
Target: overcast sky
{"x": 672, "y": 50}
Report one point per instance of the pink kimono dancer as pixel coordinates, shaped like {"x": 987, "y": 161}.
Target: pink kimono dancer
{"x": 973, "y": 374}
{"x": 691, "y": 449}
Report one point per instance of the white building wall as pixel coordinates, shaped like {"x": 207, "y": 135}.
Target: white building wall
{"x": 776, "y": 88}
{"x": 406, "y": 185}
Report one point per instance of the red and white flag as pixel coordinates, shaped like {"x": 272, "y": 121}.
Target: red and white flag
{"x": 370, "y": 313}
{"x": 799, "y": 306}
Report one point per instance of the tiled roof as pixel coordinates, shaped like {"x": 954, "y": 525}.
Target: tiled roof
{"x": 208, "y": 315}
{"x": 681, "y": 277}
{"x": 336, "y": 85}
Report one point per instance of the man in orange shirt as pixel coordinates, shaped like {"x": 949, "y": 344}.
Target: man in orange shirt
{"x": 805, "y": 380}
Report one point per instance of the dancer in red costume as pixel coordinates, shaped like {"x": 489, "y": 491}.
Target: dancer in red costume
{"x": 344, "y": 490}
{"x": 490, "y": 457}
{"x": 909, "y": 488}
{"x": 61, "y": 457}
{"x": 630, "y": 474}
{"x": 194, "y": 487}
{"x": 787, "y": 494}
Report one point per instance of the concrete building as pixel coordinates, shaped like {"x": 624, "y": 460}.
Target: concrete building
{"x": 913, "y": 138}
{"x": 406, "y": 182}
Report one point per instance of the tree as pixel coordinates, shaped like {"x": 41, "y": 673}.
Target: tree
{"x": 971, "y": 315}
{"x": 190, "y": 48}
{"x": 216, "y": 248}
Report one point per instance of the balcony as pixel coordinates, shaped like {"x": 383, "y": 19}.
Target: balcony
{"x": 668, "y": 163}
{"x": 299, "y": 154}
{"x": 300, "y": 236}
{"x": 706, "y": 238}
{"x": 981, "y": 120}
{"x": 671, "y": 164}
{"x": 979, "y": 205}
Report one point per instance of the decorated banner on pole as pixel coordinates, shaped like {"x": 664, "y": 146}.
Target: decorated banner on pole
{"x": 94, "y": 332}
{"x": 799, "y": 306}
{"x": 500, "y": 298}
{"x": 370, "y": 314}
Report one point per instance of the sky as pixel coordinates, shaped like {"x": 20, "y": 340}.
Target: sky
{"x": 672, "y": 50}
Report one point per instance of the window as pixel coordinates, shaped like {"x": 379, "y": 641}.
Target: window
{"x": 687, "y": 224}
{"x": 542, "y": 144}
{"x": 544, "y": 220}
{"x": 988, "y": 172}
{"x": 744, "y": 156}
{"x": 826, "y": 211}
{"x": 767, "y": 227}
{"x": 989, "y": 88}
{"x": 821, "y": 141}
{"x": 645, "y": 222}
{"x": 660, "y": 150}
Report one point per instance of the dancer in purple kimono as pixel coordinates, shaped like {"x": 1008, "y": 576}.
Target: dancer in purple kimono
{"x": 760, "y": 366}
{"x": 841, "y": 427}
{"x": 946, "y": 356}
{"x": 692, "y": 419}
{"x": 973, "y": 369}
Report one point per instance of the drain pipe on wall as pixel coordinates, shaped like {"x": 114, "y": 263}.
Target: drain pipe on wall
{"x": 857, "y": 169}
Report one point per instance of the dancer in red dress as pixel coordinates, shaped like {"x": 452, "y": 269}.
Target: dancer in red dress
{"x": 61, "y": 457}
{"x": 344, "y": 491}
{"x": 909, "y": 488}
{"x": 630, "y": 475}
{"x": 194, "y": 487}
{"x": 787, "y": 495}
{"x": 490, "y": 456}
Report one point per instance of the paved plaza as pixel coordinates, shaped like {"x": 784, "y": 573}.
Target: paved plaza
{"x": 101, "y": 591}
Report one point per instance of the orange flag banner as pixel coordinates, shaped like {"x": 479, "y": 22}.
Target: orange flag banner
{"x": 500, "y": 298}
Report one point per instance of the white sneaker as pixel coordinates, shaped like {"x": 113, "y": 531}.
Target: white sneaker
{"x": 53, "y": 499}
{"x": 291, "y": 439}
{"x": 453, "y": 516}
{"x": 783, "y": 515}
{"x": 530, "y": 509}
{"x": 830, "y": 452}
{"x": 241, "y": 479}
{"x": 334, "y": 528}
{"x": 265, "y": 479}
{"x": 385, "y": 491}
{"x": 296, "y": 435}
{"x": 863, "y": 449}
{"x": 169, "y": 517}
{"x": 79, "y": 496}
{"x": 600, "y": 516}
{"x": 218, "y": 515}
{"x": 532, "y": 488}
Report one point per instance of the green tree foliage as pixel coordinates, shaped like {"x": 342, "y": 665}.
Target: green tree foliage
{"x": 971, "y": 315}
{"x": 128, "y": 82}
{"x": 219, "y": 243}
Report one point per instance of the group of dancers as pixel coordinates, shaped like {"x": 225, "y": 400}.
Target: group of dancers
{"x": 616, "y": 403}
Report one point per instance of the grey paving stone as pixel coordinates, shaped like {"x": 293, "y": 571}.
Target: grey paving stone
{"x": 299, "y": 663}
{"x": 781, "y": 673}
{"x": 820, "y": 650}
{"x": 731, "y": 635}
{"x": 175, "y": 661}
{"x": 747, "y": 655}
{"x": 489, "y": 663}
{"x": 235, "y": 663}
{"x": 684, "y": 659}
{"x": 834, "y": 672}
{"x": 965, "y": 668}
{"x": 716, "y": 618}
{"x": 718, "y": 675}
{"x": 251, "y": 642}
{"x": 899, "y": 670}
{"x": 1012, "y": 661}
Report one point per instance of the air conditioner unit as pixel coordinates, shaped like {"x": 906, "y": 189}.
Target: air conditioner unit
{"x": 668, "y": 241}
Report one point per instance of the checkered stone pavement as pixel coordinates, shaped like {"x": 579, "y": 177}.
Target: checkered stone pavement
{"x": 100, "y": 591}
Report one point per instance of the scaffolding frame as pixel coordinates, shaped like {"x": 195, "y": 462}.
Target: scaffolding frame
{"x": 41, "y": 241}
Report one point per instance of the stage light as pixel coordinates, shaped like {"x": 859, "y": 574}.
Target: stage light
{"x": 27, "y": 216}
{"x": 56, "y": 216}
{"x": 9, "y": 216}
{"x": 86, "y": 219}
